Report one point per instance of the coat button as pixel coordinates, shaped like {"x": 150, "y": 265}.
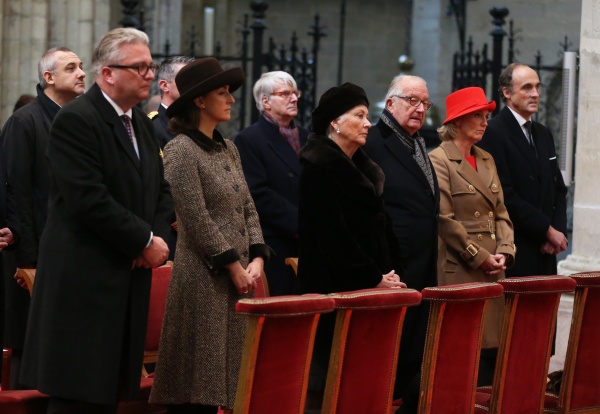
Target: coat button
{"x": 243, "y": 232}
{"x": 239, "y": 209}
{"x": 291, "y": 175}
{"x": 491, "y": 214}
{"x": 494, "y": 186}
{"x": 236, "y": 187}
{"x": 479, "y": 237}
{"x": 227, "y": 168}
{"x": 245, "y": 254}
{"x": 471, "y": 188}
{"x": 477, "y": 214}
{"x": 493, "y": 236}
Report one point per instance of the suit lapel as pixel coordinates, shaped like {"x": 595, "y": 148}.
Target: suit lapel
{"x": 398, "y": 150}
{"x": 518, "y": 137}
{"x": 480, "y": 179}
{"x": 281, "y": 148}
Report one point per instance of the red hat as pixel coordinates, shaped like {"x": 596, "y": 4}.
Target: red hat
{"x": 466, "y": 100}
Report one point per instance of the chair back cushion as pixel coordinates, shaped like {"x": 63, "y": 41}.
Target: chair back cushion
{"x": 161, "y": 277}
{"x": 452, "y": 349}
{"x": 362, "y": 369}
{"x": 531, "y": 304}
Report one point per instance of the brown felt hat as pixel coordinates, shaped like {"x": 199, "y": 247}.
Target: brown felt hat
{"x": 200, "y": 77}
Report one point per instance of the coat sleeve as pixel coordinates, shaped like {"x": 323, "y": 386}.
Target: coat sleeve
{"x": 19, "y": 159}
{"x": 451, "y": 231}
{"x": 275, "y": 210}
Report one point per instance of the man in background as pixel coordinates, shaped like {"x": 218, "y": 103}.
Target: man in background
{"x": 24, "y": 141}
{"x": 534, "y": 189}
{"x": 269, "y": 153}
{"x": 167, "y": 71}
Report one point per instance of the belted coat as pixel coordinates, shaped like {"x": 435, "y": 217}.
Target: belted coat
{"x": 473, "y": 224}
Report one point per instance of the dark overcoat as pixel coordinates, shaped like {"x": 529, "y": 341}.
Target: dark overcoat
{"x": 346, "y": 237}
{"x": 272, "y": 171}
{"x": 89, "y": 309}
{"x": 24, "y": 142}
{"x": 161, "y": 123}
{"x": 534, "y": 190}
{"x": 414, "y": 210}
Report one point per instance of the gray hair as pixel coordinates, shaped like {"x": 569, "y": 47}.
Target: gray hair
{"x": 397, "y": 84}
{"x": 505, "y": 79}
{"x": 168, "y": 67}
{"x": 109, "y": 51}
{"x": 447, "y": 132}
{"x": 47, "y": 63}
{"x": 265, "y": 86}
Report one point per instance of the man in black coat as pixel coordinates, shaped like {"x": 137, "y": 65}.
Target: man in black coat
{"x": 269, "y": 153}
{"x": 167, "y": 71}
{"x": 109, "y": 211}
{"x": 24, "y": 140}
{"x": 412, "y": 197}
{"x": 534, "y": 190}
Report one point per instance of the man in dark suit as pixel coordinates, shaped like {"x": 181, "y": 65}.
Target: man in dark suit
{"x": 24, "y": 140}
{"x": 109, "y": 210}
{"x": 269, "y": 153}
{"x": 167, "y": 71}
{"x": 412, "y": 197}
{"x": 534, "y": 190}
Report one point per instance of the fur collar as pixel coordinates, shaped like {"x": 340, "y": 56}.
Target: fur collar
{"x": 324, "y": 152}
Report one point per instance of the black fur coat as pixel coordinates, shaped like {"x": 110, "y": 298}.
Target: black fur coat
{"x": 346, "y": 237}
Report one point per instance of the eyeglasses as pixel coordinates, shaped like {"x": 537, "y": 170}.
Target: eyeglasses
{"x": 141, "y": 69}
{"x": 288, "y": 94}
{"x": 412, "y": 101}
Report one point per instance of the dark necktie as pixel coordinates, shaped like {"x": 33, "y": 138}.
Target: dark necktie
{"x": 527, "y": 126}
{"x": 127, "y": 122}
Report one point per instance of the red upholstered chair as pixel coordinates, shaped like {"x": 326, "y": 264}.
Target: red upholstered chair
{"x": 23, "y": 402}
{"x": 277, "y": 352}
{"x": 580, "y": 387}
{"x": 528, "y": 328}
{"x": 161, "y": 277}
{"x": 364, "y": 353}
{"x": 453, "y": 346}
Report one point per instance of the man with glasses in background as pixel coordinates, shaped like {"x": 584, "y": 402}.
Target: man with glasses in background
{"x": 109, "y": 209}
{"x": 269, "y": 153}
{"x": 411, "y": 196}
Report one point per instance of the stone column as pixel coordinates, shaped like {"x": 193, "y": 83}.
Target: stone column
{"x": 585, "y": 255}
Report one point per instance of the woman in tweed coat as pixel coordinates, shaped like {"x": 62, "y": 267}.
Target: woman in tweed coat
{"x": 220, "y": 251}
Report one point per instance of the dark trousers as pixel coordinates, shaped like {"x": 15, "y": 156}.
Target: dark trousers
{"x": 487, "y": 367}
{"x": 63, "y": 406}
{"x": 191, "y": 409}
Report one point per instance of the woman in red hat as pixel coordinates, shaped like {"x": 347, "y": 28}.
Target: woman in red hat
{"x": 476, "y": 241}
{"x": 220, "y": 250}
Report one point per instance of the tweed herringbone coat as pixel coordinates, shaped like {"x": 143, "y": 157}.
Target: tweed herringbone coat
{"x": 202, "y": 336}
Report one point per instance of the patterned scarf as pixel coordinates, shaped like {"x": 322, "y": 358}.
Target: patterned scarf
{"x": 415, "y": 145}
{"x": 290, "y": 132}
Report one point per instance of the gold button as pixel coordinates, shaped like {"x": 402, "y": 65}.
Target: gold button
{"x": 479, "y": 237}
{"x": 494, "y": 186}
{"x": 471, "y": 188}
{"x": 493, "y": 236}
{"x": 491, "y": 214}
{"x": 477, "y": 214}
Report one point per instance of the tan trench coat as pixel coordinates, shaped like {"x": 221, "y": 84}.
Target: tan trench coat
{"x": 473, "y": 224}
{"x": 202, "y": 337}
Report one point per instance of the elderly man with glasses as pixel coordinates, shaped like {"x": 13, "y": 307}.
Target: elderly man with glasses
{"x": 269, "y": 153}
{"x": 411, "y": 196}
